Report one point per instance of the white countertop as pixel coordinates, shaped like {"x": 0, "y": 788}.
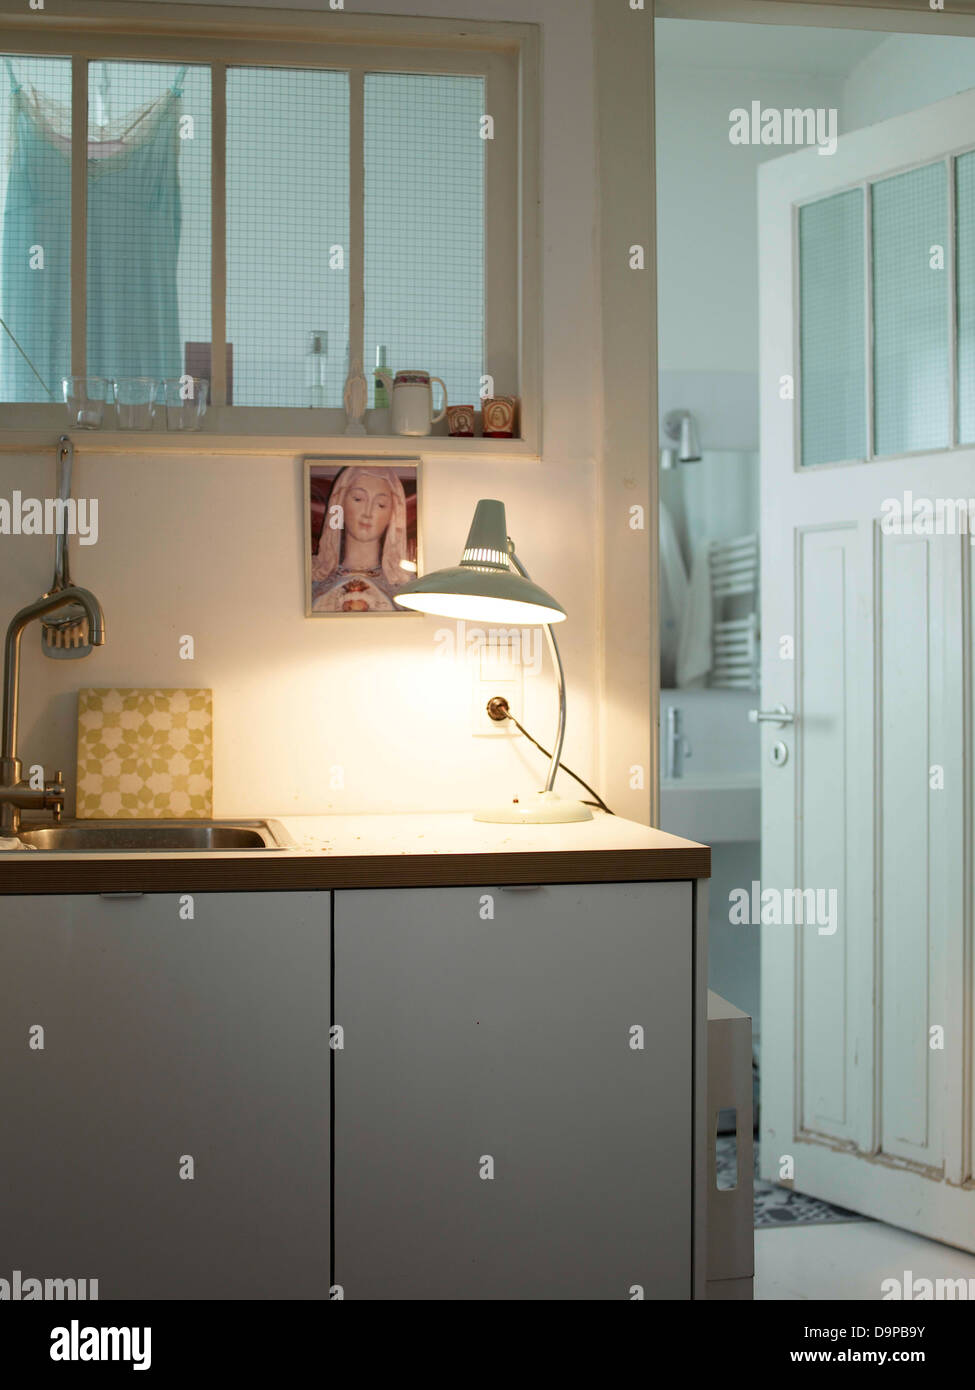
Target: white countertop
{"x": 459, "y": 833}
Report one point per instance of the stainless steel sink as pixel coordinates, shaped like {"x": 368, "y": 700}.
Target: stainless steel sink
{"x": 157, "y": 836}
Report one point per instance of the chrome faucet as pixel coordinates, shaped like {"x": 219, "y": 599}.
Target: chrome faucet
{"x": 16, "y": 795}
{"x": 677, "y": 746}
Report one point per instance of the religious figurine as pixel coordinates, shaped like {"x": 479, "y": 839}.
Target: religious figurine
{"x": 355, "y": 397}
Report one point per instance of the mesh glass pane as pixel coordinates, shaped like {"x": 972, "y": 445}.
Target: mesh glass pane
{"x": 148, "y": 256}
{"x": 287, "y": 234}
{"x": 424, "y": 227}
{"x": 965, "y": 281}
{"x": 35, "y": 218}
{"x": 910, "y": 312}
{"x": 832, "y": 286}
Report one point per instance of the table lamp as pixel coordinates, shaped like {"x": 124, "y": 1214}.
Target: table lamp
{"x": 492, "y": 585}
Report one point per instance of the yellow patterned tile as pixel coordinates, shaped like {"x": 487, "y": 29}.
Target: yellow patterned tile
{"x": 145, "y": 754}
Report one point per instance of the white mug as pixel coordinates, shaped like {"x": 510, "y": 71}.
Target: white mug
{"x": 411, "y": 401}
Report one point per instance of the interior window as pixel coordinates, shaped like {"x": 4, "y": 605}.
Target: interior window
{"x": 351, "y": 223}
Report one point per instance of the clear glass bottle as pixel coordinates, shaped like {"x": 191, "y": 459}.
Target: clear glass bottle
{"x": 317, "y": 367}
{"x": 382, "y": 395}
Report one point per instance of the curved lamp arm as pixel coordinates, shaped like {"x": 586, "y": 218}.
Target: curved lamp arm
{"x": 553, "y": 647}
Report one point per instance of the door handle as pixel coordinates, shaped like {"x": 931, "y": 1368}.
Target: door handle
{"x": 780, "y": 716}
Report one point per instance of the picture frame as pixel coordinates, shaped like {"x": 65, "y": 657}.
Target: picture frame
{"x": 361, "y": 533}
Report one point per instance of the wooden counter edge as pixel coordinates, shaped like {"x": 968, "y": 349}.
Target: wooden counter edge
{"x": 274, "y": 872}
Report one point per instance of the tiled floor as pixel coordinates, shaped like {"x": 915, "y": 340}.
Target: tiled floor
{"x": 849, "y": 1261}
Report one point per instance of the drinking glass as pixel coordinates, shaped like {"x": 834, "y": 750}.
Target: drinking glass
{"x": 185, "y": 399}
{"x": 85, "y": 397}
{"x": 135, "y": 398}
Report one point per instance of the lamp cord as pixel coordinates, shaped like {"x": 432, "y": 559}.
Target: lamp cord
{"x": 598, "y": 801}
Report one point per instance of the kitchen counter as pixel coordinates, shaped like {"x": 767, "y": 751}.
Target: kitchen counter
{"x": 392, "y": 851}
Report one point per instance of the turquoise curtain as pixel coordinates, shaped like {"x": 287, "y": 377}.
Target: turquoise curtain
{"x": 133, "y": 249}
{"x": 134, "y": 221}
{"x": 36, "y": 303}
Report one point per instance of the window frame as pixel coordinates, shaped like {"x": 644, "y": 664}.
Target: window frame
{"x": 506, "y": 55}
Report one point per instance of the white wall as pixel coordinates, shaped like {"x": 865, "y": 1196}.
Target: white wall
{"x": 212, "y": 546}
{"x": 707, "y": 212}
{"x": 904, "y": 72}
{"x": 707, "y": 229}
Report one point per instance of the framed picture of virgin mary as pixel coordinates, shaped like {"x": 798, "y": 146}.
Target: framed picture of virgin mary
{"x": 362, "y": 538}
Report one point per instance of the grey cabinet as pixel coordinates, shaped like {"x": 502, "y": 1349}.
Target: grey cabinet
{"x": 497, "y": 1132}
{"x": 166, "y": 1038}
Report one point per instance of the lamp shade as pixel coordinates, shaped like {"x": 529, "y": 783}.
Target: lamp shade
{"x": 483, "y": 587}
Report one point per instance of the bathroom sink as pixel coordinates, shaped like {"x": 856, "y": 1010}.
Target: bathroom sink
{"x": 157, "y": 836}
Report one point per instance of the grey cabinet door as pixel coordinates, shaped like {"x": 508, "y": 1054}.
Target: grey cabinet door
{"x": 166, "y": 1038}
{"x": 476, "y": 1044}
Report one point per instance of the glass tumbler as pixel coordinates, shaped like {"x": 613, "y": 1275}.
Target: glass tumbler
{"x": 135, "y": 398}
{"x": 185, "y": 399}
{"x": 85, "y": 397}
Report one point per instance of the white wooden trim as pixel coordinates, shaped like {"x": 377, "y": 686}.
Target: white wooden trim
{"x": 968, "y": 976}
{"x": 868, "y": 336}
{"x": 153, "y": 442}
{"x": 950, "y": 253}
{"x": 891, "y": 16}
{"x": 700, "y": 1114}
{"x": 628, "y": 599}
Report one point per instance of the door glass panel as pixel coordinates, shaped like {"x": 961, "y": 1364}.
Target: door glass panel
{"x": 832, "y": 338}
{"x": 910, "y": 311}
{"x": 965, "y": 276}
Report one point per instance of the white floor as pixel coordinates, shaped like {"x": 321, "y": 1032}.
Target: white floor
{"x": 849, "y": 1261}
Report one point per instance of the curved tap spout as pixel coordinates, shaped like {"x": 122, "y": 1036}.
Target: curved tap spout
{"x": 50, "y": 603}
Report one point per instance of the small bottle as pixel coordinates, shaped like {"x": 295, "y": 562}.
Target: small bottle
{"x": 382, "y": 395}
{"x": 317, "y": 367}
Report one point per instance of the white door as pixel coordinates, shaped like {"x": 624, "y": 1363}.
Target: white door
{"x": 867, "y": 1029}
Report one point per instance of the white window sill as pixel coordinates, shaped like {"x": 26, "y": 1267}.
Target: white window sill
{"x": 213, "y": 442}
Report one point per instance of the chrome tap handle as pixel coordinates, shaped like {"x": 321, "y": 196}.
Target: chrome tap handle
{"x": 54, "y": 795}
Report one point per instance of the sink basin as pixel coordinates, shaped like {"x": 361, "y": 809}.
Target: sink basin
{"x": 157, "y": 836}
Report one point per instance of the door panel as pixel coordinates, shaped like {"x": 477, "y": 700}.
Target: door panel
{"x": 912, "y": 938}
{"x": 827, "y": 627}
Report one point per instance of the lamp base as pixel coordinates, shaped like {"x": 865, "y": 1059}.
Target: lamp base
{"x": 543, "y": 809}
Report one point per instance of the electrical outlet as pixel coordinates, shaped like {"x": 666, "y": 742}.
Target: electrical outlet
{"x": 497, "y": 670}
